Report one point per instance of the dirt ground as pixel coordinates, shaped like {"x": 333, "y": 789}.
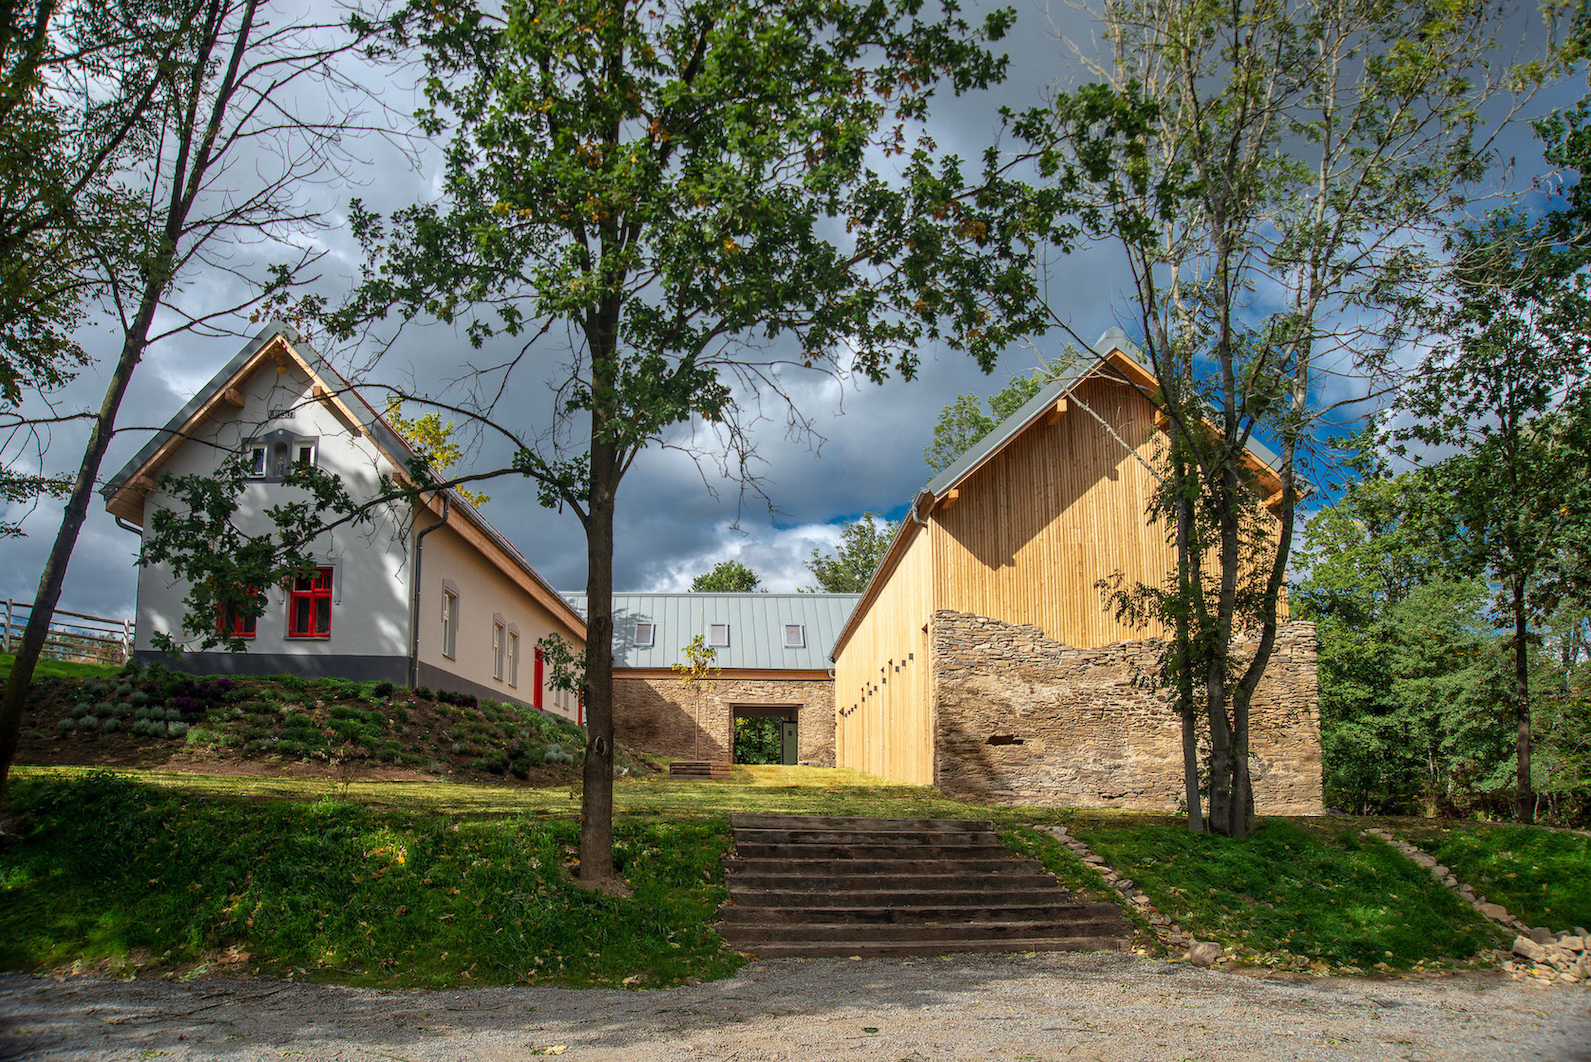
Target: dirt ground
{"x": 1037, "y": 1008}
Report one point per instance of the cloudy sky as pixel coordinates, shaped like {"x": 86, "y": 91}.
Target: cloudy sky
{"x": 677, "y": 516}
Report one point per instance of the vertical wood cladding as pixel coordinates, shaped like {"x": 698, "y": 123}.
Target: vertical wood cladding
{"x": 884, "y": 721}
{"x": 1046, "y": 518}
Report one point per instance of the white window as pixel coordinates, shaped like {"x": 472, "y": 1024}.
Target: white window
{"x": 718, "y": 635}
{"x": 795, "y": 636}
{"x": 645, "y": 635}
{"x": 513, "y": 658}
{"x": 499, "y": 648}
{"x": 256, "y": 452}
{"x": 304, "y": 453}
{"x": 450, "y": 623}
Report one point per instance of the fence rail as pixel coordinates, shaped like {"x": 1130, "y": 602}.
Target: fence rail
{"x": 90, "y": 640}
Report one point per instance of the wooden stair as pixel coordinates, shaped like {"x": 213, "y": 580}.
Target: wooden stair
{"x": 810, "y": 886}
{"x": 700, "y": 769}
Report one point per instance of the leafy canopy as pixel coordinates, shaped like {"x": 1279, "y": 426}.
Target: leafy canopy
{"x": 727, "y": 577}
{"x": 847, "y": 570}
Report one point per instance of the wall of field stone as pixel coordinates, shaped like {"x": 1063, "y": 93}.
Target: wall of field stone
{"x": 660, "y": 716}
{"x": 1023, "y": 719}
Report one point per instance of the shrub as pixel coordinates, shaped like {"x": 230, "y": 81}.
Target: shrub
{"x": 176, "y": 729}
{"x": 111, "y": 726}
{"x": 64, "y": 725}
{"x": 424, "y": 693}
{"x": 139, "y": 698}
{"x": 381, "y": 689}
{"x": 83, "y": 708}
{"x": 124, "y": 689}
{"x": 105, "y": 708}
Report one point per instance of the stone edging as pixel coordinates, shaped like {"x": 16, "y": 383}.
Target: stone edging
{"x": 1548, "y": 955}
{"x": 1166, "y": 931}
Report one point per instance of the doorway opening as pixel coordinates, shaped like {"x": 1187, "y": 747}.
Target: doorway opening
{"x": 766, "y": 734}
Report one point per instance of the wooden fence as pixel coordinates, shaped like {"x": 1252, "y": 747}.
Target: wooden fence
{"x": 75, "y": 636}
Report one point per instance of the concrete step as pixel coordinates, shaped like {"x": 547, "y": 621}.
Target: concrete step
{"x": 1071, "y": 914}
{"x": 821, "y": 885}
{"x": 901, "y": 897}
{"x": 890, "y": 949}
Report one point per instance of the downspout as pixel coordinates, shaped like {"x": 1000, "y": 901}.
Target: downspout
{"x": 414, "y": 599}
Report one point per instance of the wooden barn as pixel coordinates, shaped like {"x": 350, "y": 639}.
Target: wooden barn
{"x": 983, "y": 657}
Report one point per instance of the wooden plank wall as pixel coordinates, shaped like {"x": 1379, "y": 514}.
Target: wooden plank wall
{"x": 883, "y": 713}
{"x": 1063, "y": 505}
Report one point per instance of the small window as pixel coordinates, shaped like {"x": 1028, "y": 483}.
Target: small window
{"x": 450, "y": 623}
{"x": 499, "y": 648}
{"x": 231, "y": 623}
{"x": 256, "y": 454}
{"x": 795, "y": 636}
{"x": 513, "y": 658}
{"x": 304, "y": 453}
{"x": 718, "y": 635}
{"x": 645, "y": 635}
{"x": 309, "y": 605}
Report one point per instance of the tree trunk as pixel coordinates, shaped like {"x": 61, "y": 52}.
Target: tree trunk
{"x": 1183, "y": 634}
{"x": 596, "y": 797}
{"x": 1524, "y": 797}
{"x": 54, "y": 575}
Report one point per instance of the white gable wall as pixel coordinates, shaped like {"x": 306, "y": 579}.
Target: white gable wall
{"x": 370, "y": 561}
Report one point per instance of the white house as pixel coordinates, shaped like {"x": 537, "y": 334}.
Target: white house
{"x": 428, "y": 594}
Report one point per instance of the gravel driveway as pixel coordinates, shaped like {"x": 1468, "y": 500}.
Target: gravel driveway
{"x": 1033, "y": 1007}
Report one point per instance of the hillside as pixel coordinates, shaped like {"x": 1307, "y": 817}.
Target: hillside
{"x": 154, "y": 717}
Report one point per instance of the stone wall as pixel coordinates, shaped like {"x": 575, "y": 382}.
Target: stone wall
{"x": 658, "y": 715}
{"x": 1020, "y": 718}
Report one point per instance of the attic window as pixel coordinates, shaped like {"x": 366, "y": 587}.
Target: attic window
{"x": 718, "y": 635}
{"x": 645, "y": 635}
{"x": 795, "y": 636}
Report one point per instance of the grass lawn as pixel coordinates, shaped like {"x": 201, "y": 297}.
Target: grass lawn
{"x": 1543, "y": 877}
{"x": 48, "y": 668}
{"x": 1298, "y": 897}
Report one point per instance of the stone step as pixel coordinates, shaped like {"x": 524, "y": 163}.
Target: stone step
{"x": 821, "y": 885}
{"x": 700, "y": 769}
{"x": 879, "y": 838}
{"x": 898, "y": 897}
{"x": 753, "y": 850}
{"x": 830, "y": 822}
{"x": 892, "y": 949}
{"x": 1072, "y": 915}
{"x": 803, "y": 884}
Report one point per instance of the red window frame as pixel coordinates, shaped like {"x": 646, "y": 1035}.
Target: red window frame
{"x": 309, "y": 602}
{"x": 231, "y": 624}
{"x": 535, "y": 696}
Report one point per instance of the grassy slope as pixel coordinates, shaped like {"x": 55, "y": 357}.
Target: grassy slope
{"x": 1299, "y": 898}
{"x": 48, "y": 668}
{"x": 1542, "y": 876}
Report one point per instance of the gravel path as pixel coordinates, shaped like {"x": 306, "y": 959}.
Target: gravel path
{"x": 1036, "y": 1007}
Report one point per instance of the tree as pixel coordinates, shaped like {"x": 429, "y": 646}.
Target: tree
{"x": 76, "y": 84}
{"x": 727, "y": 577}
{"x": 1509, "y": 390}
{"x": 222, "y": 101}
{"x": 682, "y": 188}
{"x": 962, "y": 424}
{"x": 1268, "y": 171}
{"x": 432, "y": 440}
{"x": 696, "y": 675}
{"x": 850, "y": 567}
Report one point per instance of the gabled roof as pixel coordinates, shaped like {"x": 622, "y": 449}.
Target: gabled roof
{"x": 125, "y": 491}
{"x": 756, "y": 628}
{"x": 1114, "y": 356}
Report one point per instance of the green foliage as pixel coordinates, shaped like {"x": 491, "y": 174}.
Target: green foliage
{"x": 1342, "y": 901}
{"x": 848, "y": 569}
{"x": 758, "y": 740}
{"x": 727, "y": 577}
{"x": 350, "y": 895}
{"x": 1542, "y": 876}
{"x": 963, "y": 423}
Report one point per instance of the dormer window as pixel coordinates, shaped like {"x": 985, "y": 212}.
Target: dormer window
{"x": 718, "y": 635}
{"x": 645, "y": 635}
{"x": 795, "y": 636}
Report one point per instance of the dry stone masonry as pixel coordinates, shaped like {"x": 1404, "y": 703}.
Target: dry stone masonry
{"x": 1166, "y": 931}
{"x": 660, "y": 715}
{"x": 1021, "y": 718}
{"x": 1546, "y": 955}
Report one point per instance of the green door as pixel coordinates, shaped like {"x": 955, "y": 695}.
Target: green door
{"x": 787, "y": 734}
